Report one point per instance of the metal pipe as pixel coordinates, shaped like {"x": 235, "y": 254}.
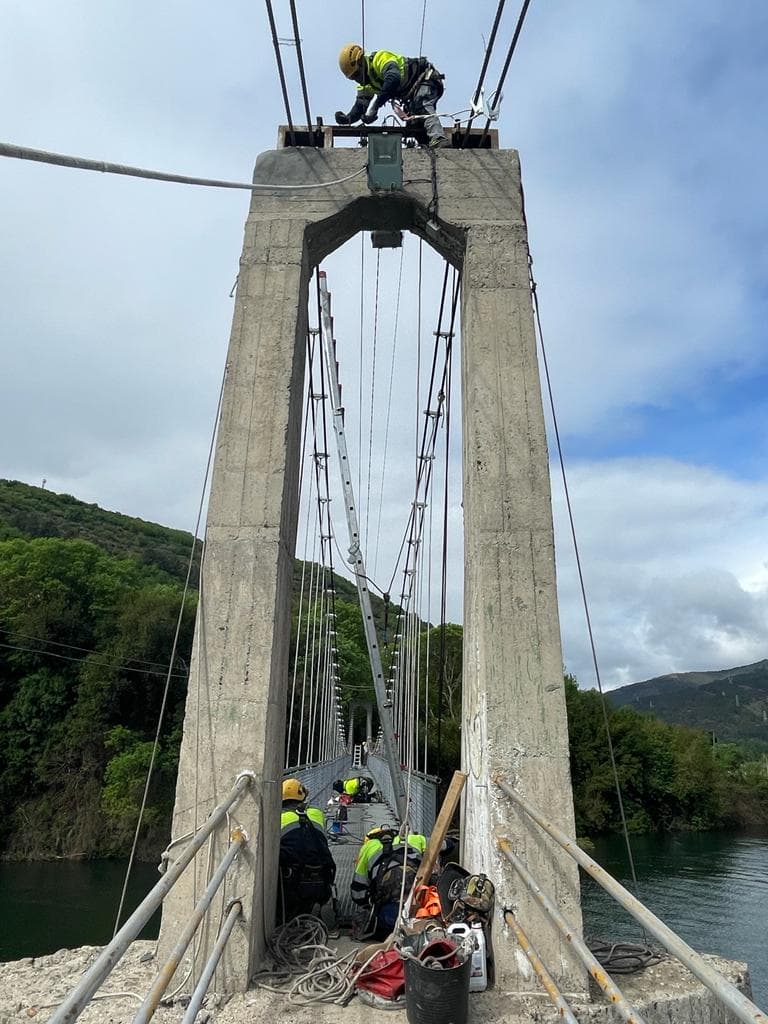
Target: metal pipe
{"x": 212, "y": 963}
{"x": 164, "y": 976}
{"x": 105, "y": 963}
{"x": 736, "y": 1001}
{"x": 546, "y": 979}
{"x": 598, "y": 972}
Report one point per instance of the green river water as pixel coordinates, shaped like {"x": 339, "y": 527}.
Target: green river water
{"x": 711, "y": 888}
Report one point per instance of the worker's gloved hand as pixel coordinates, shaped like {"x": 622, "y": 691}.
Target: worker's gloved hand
{"x": 341, "y": 117}
{"x": 369, "y": 118}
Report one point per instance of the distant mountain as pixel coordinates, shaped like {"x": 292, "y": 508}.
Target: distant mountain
{"x": 732, "y": 703}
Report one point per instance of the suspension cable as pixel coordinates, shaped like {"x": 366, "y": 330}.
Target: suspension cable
{"x": 389, "y": 410}
{"x": 484, "y": 69}
{"x": 510, "y": 52}
{"x": 373, "y": 396}
{"x": 300, "y": 59}
{"x": 280, "y": 69}
{"x": 174, "y": 648}
{"x": 582, "y": 586}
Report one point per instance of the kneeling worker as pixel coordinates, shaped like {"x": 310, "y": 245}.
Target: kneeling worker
{"x": 307, "y": 869}
{"x": 378, "y": 880}
{"x": 358, "y": 789}
{"x": 382, "y": 77}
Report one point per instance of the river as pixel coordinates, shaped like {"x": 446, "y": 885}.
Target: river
{"x": 710, "y": 887}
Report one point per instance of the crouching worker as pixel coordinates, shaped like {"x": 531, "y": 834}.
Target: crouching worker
{"x": 359, "y": 790}
{"x": 386, "y": 867}
{"x": 307, "y": 869}
{"x": 382, "y": 77}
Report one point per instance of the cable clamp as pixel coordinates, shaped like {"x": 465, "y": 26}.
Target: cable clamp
{"x": 480, "y": 108}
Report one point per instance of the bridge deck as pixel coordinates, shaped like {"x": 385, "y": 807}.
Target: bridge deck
{"x": 345, "y": 849}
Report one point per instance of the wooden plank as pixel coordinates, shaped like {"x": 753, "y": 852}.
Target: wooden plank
{"x": 440, "y": 830}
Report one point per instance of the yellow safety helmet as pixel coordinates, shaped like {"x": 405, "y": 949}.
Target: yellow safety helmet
{"x": 380, "y": 831}
{"x": 350, "y": 59}
{"x": 295, "y": 790}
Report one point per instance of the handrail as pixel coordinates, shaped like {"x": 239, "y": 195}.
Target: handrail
{"x": 163, "y": 979}
{"x": 598, "y": 972}
{"x": 107, "y": 960}
{"x": 546, "y": 979}
{"x": 735, "y": 1000}
{"x": 235, "y": 911}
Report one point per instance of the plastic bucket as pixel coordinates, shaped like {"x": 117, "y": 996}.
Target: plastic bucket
{"x": 436, "y": 995}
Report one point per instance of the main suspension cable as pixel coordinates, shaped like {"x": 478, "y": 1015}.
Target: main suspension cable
{"x": 280, "y": 69}
{"x": 510, "y": 52}
{"x": 484, "y": 69}
{"x": 300, "y": 59}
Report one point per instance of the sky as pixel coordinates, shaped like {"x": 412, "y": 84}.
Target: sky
{"x": 643, "y": 140}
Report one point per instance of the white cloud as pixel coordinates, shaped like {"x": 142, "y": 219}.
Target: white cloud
{"x": 674, "y": 564}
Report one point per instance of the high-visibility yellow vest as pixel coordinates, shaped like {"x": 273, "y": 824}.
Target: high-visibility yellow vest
{"x": 376, "y": 63}
{"x": 292, "y": 819}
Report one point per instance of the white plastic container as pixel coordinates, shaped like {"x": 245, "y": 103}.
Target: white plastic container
{"x": 473, "y": 937}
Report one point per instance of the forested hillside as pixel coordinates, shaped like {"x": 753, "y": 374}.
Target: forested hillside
{"x": 87, "y": 619}
{"x": 731, "y": 703}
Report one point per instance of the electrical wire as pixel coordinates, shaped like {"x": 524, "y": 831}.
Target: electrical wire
{"x": 15, "y": 152}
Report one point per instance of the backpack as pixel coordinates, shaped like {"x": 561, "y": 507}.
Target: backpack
{"x": 306, "y": 863}
{"x": 387, "y": 875}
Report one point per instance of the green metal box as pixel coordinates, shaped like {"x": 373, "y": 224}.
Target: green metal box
{"x": 385, "y": 163}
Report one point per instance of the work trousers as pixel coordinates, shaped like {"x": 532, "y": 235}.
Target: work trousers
{"x": 424, "y": 104}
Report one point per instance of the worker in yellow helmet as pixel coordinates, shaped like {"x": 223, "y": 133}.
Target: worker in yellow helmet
{"x": 383, "y": 77}
{"x": 381, "y": 864}
{"x": 359, "y": 790}
{"x": 307, "y": 869}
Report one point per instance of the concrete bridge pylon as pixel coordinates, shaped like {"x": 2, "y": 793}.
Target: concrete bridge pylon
{"x": 468, "y": 205}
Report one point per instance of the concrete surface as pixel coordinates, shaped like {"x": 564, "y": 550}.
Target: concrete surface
{"x": 29, "y": 988}
{"x": 514, "y": 711}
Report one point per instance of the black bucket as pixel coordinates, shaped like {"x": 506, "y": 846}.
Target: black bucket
{"x": 436, "y": 995}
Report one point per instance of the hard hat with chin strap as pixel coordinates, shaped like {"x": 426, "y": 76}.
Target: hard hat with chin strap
{"x": 295, "y": 790}
{"x": 351, "y": 59}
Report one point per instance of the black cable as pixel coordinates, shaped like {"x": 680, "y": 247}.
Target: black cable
{"x": 300, "y": 59}
{"x": 92, "y": 661}
{"x": 483, "y": 70}
{"x": 510, "y": 51}
{"x": 74, "y": 647}
{"x": 444, "y": 568}
{"x": 626, "y": 957}
{"x": 280, "y": 71}
{"x": 585, "y": 603}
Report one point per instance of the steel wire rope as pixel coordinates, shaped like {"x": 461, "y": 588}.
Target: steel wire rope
{"x": 428, "y": 638}
{"x": 389, "y": 409}
{"x": 484, "y": 68}
{"x": 579, "y": 570}
{"x": 302, "y": 469}
{"x": 300, "y": 60}
{"x": 280, "y": 69}
{"x": 444, "y": 554}
{"x": 419, "y": 466}
{"x": 421, "y": 34}
{"x": 312, "y": 574}
{"x": 360, "y": 372}
{"x": 373, "y": 396}
{"x": 92, "y": 661}
{"x": 516, "y": 35}
{"x": 86, "y": 650}
{"x": 174, "y": 648}
{"x": 81, "y": 163}
{"x": 327, "y": 491}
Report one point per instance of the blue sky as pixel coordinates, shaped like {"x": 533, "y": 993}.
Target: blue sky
{"x": 643, "y": 141}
